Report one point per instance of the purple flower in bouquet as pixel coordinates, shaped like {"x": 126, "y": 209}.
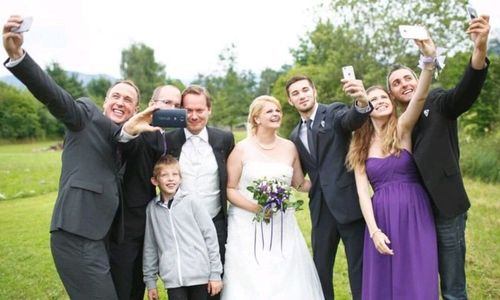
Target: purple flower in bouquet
{"x": 272, "y": 195}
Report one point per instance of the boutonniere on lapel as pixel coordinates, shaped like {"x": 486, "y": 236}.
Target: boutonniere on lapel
{"x": 426, "y": 112}
{"x": 322, "y": 124}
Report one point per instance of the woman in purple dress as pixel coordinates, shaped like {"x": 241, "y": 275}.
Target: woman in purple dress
{"x": 400, "y": 251}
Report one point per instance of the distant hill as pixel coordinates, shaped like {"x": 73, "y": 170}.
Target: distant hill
{"x": 84, "y": 78}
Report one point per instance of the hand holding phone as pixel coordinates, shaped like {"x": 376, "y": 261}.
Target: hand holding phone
{"x": 348, "y": 72}
{"x": 25, "y": 25}
{"x": 175, "y": 117}
{"x": 414, "y": 32}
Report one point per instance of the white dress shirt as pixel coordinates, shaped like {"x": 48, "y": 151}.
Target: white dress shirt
{"x": 200, "y": 176}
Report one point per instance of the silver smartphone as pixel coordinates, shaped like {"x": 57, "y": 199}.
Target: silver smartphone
{"x": 472, "y": 12}
{"x": 348, "y": 72}
{"x": 25, "y": 25}
{"x": 414, "y": 32}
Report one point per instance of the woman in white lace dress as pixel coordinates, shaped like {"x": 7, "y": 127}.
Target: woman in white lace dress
{"x": 265, "y": 260}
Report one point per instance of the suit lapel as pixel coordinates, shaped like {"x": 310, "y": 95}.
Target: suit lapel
{"x": 301, "y": 148}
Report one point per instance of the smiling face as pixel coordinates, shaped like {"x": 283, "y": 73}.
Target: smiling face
{"x": 121, "y": 103}
{"x": 382, "y": 104}
{"x": 402, "y": 85}
{"x": 167, "y": 179}
{"x": 269, "y": 116}
{"x": 302, "y": 96}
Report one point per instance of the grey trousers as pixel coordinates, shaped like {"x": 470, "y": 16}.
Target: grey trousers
{"x": 83, "y": 266}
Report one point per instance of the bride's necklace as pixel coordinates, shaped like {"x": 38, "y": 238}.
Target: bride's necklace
{"x": 267, "y": 146}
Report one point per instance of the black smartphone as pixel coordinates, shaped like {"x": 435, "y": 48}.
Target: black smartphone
{"x": 175, "y": 117}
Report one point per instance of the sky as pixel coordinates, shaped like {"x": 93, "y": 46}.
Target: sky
{"x": 187, "y": 35}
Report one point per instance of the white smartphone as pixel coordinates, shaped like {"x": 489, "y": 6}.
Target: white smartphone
{"x": 414, "y": 32}
{"x": 348, "y": 72}
{"x": 472, "y": 12}
{"x": 25, "y": 25}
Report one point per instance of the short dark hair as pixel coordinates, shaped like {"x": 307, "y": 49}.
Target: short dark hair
{"x": 296, "y": 78}
{"x": 393, "y": 69}
{"x": 128, "y": 82}
{"x": 197, "y": 90}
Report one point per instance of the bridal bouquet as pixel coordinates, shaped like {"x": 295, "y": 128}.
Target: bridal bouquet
{"x": 273, "y": 195}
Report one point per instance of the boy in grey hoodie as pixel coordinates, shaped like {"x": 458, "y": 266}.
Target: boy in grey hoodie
{"x": 180, "y": 243}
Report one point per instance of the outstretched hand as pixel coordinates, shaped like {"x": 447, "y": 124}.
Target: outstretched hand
{"x": 13, "y": 41}
{"x": 141, "y": 122}
{"x": 356, "y": 90}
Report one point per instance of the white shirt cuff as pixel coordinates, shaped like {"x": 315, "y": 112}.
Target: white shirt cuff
{"x": 362, "y": 110}
{"x": 126, "y": 137}
{"x": 12, "y": 63}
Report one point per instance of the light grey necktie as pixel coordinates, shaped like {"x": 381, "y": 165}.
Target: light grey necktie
{"x": 310, "y": 140}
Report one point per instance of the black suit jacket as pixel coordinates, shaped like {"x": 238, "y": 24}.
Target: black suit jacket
{"x": 222, "y": 143}
{"x": 332, "y": 131}
{"x": 435, "y": 142}
{"x": 140, "y": 155}
{"x": 89, "y": 186}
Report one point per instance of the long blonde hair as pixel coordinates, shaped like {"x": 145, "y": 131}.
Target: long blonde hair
{"x": 362, "y": 138}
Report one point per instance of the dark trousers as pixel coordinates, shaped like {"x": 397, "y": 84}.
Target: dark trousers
{"x": 451, "y": 251}
{"x": 326, "y": 235}
{"x": 126, "y": 268}
{"x": 83, "y": 266}
{"x": 194, "y": 292}
{"x": 220, "y": 223}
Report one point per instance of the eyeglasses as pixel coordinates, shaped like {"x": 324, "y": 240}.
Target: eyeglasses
{"x": 167, "y": 102}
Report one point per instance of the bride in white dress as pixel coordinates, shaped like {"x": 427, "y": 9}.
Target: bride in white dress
{"x": 265, "y": 261}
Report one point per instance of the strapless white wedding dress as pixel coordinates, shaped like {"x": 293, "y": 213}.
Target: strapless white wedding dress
{"x": 271, "y": 261}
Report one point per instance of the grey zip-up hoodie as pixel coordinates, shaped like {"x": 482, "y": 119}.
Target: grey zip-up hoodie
{"x": 180, "y": 244}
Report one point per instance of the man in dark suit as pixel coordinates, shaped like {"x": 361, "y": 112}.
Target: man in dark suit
{"x": 202, "y": 152}
{"x": 140, "y": 156}
{"x": 322, "y": 139}
{"x": 436, "y": 153}
{"x": 89, "y": 188}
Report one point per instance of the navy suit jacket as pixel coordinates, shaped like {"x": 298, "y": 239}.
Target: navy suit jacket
{"x": 332, "y": 131}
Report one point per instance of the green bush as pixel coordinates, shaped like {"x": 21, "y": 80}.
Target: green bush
{"x": 480, "y": 157}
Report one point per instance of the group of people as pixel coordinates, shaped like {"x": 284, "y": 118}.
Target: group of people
{"x": 112, "y": 236}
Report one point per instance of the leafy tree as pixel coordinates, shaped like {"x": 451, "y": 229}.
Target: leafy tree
{"x": 378, "y": 21}
{"x": 483, "y": 116}
{"x": 68, "y": 82}
{"x": 139, "y": 64}
{"x": 232, "y": 92}
{"x": 97, "y": 88}
{"x": 18, "y": 114}
{"x": 267, "y": 79}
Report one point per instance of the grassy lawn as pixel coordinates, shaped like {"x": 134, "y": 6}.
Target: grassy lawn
{"x": 27, "y": 270}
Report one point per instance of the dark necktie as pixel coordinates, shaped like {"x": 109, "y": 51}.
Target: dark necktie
{"x": 310, "y": 140}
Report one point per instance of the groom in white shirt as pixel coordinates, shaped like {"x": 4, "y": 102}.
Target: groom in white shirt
{"x": 202, "y": 152}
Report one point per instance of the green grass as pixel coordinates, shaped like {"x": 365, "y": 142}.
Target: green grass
{"x": 27, "y": 270}
{"x": 27, "y": 170}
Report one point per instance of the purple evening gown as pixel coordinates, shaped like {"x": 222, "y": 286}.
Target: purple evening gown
{"x": 403, "y": 212}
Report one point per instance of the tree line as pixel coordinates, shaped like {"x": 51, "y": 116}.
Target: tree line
{"x": 361, "y": 33}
